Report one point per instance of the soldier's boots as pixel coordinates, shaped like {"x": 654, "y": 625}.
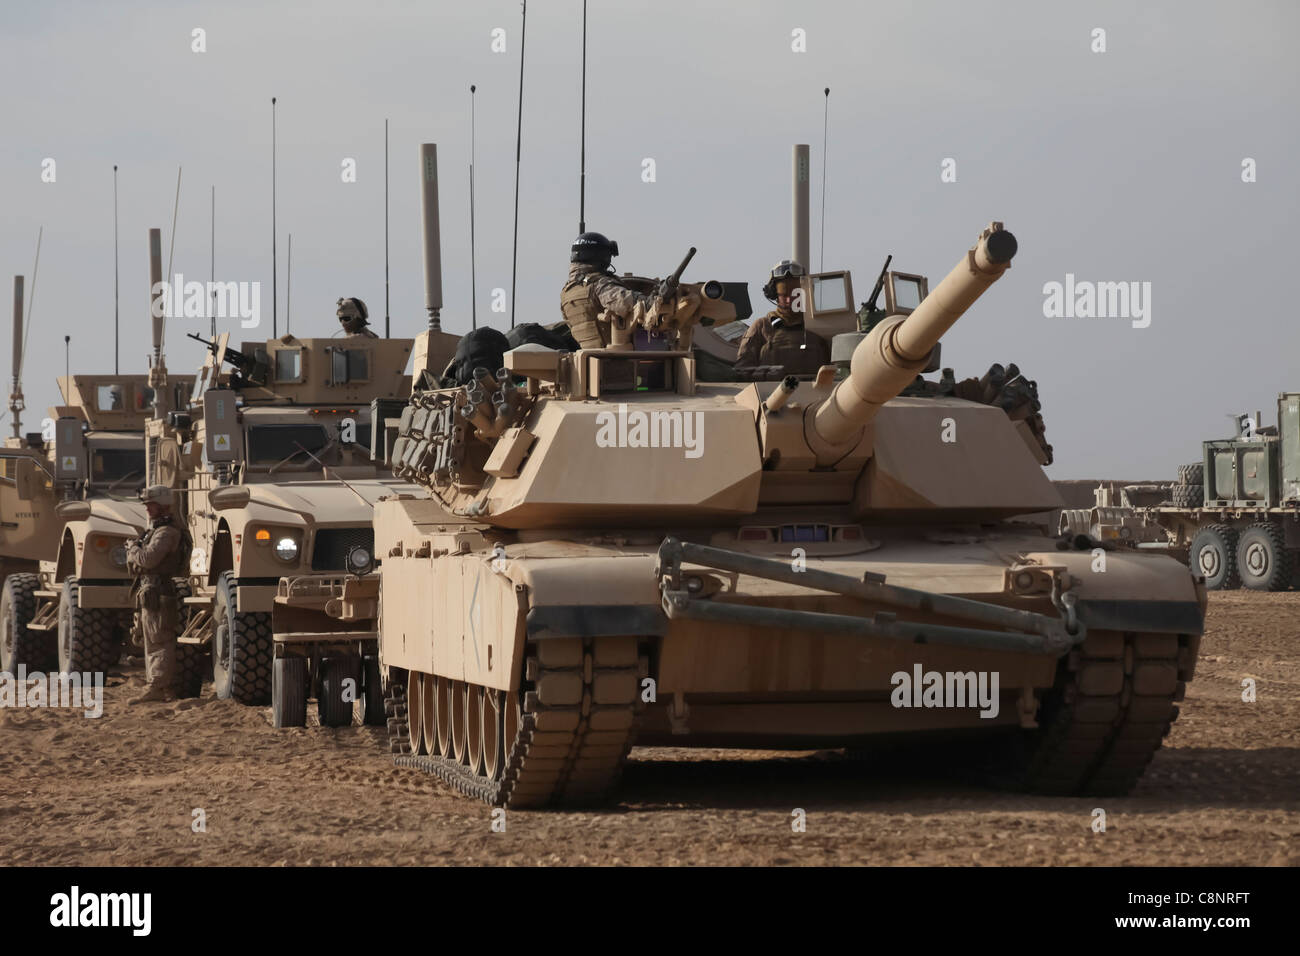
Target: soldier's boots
{"x": 153, "y": 693}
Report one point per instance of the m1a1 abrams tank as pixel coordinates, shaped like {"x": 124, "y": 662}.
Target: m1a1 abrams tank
{"x": 612, "y": 553}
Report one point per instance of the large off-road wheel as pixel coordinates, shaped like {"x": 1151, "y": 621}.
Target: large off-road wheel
{"x": 372, "y": 689}
{"x": 241, "y": 648}
{"x": 289, "y": 692}
{"x": 1110, "y": 708}
{"x": 1214, "y": 554}
{"x": 1262, "y": 558}
{"x": 193, "y": 661}
{"x": 1187, "y": 496}
{"x": 18, "y": 645}
{"x": 1193, "y": 474}
{"x": 88, "y": 637}
{"x": 335, "y": 703}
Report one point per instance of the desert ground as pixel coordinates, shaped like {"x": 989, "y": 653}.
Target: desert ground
{"x": 123, "y": 790}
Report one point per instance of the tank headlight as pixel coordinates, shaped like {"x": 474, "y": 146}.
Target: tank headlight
{"x": 118, "y": 556}
{"x": 286, "y": 549}
{"x": 359, "y": 560}
{"x": 262, "y": 536}
{"x": 101, "y": 543}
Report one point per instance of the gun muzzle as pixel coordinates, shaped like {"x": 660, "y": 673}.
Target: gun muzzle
{"x": 897, "y": 351}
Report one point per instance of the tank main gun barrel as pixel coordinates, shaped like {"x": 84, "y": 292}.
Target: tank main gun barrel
{"x": 897, "y": 351}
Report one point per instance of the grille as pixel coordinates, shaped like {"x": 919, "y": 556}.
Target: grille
{"x": 332, "y": 546}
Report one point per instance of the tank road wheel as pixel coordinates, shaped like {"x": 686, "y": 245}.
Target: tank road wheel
{"x": 88, "y": 639}
{"x": 1214, "y": 554}
{"x": 334, "y": 705}
{"x": 444, "y": 716}
{"x": 429, "y": 716}
{"x": 458, "y": 721}
{"x": 395, "y": 708}
{"x": 490, "y": 707}
{"x": 1105, "y": 717}
{"x": 17, "y": 607}
{"x": 474, "y": 726}
{"x": 415, "y": 712}
{"x": 289, "y": 692}
{"x": 241, "y": 648}
{"x": 372, "y": 689}
{"x": 1262, "y": 559}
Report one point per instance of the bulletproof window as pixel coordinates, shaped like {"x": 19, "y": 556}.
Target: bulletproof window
{"x": 829, "y": 294}
{"x": 288, "y": 365}
{"x": 116, "y": 464}
{"x": 349, "y": 365}
{"x": 110, "y": 398}
{"x": 905, "y": 292}
{"x": 268, "y": 444}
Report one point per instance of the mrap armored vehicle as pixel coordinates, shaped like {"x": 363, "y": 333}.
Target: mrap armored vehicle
{"x": 605, "y": 551}
{"x": 70, "y": 509}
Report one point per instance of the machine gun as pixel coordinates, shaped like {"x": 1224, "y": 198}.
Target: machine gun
{"x": 869, "y": 315}
{"x": 669, "y": 286}
{"x": 249, "y": 369}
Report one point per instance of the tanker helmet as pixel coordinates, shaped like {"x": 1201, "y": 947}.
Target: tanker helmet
{"x": 159, "y": 495}
{"x": 593, "y": 248}
{"x": 353, "y": 314}
{"x": 785, "y": 269}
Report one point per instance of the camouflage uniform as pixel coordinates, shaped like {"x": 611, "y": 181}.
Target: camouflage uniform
{"x": 155, "y": 559}
{"x": 353, "y": 316}
{"x": 592, "y": 295}
{"x": 769, "y": 344}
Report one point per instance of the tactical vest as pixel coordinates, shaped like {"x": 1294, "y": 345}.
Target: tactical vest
{"x": 581, "y": 310}
{"x": 784, "y": 347}
{"x": 176, "y": 564}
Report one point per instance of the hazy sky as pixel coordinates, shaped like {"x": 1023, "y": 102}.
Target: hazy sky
{"x": 1122, "y": 166}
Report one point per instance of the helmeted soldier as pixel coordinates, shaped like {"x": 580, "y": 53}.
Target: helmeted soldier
{"x": 156, "y": 558}
{"x": 355, "y": 318}
{"x": 780, "y": 337}
{"x": 594, "y": 298}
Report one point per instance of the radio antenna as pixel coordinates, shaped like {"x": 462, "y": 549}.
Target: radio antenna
{"x": 473, "y": 281}
{"x": 116, "y": 313}
{"x": 386, "y": 317}
{"x": 519, "y": 136}
{"x": 171, "y": 248}
{"x": 582, "y": 179}
{"x": 826, "y": 112}
{"x": 275, "y": 298}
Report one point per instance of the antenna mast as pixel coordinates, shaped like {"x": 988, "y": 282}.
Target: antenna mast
{"x": 288, "y": 289}
{"x": 473, "y": 280}
{"x": 826, "y": 112}
{"x": 212, "y": 266}
{"x": 519, "y": 135}
{"x": 386, "y": 318}
{"x": 582, "y": 179}
{"x": 116, "y": 311}
{"x": 275, "y": 297}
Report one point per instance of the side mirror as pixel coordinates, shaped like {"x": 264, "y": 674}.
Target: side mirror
{"x": 230, "y": 496}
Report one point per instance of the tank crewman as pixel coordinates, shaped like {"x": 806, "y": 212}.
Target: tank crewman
{"x": 780, "y": 338}
{"x": 593, "y": 296}
{"x": 158, "y": 556}
{"x": 354, "y": 317}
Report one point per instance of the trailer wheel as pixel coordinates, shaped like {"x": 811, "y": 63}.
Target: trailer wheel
{"x": 335, "y": 703}
{"x": 289, "y": 692}
{"x": 373, "y": 690}
{"x": 1214, "y": 554}
{"x": 18, "y": 645}
{"x": 1262, "y": 558}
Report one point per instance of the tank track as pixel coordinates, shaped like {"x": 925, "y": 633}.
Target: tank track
{"x": 579, "y": 708}
{"x": 1113, "y": 703}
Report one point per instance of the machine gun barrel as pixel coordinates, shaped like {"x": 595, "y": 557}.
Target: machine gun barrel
{"x": 880, "y": 284}
{"x": 671, "y": 283}
{"x": 897, "y": 351}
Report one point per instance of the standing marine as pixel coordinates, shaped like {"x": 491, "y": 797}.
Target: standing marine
{"x": 780, "y": 337}
{"x": 354, "y": 317}
{"x": 156, "y": 558}
{"x": 594, "y": 298}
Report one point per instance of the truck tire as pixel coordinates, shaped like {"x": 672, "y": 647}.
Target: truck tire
{"x": 17, "y": 607}
{"x": 334, "y": 709}
{"x": 289, "y": 692}
{"x": 241, "y": 648}
{"x": 88, "y": 639}
{"x": 372, "y": 688}
{"x": 1262, "y": 558}
{"x": 1214, "y": 554}
{"x": 1193, "y": 474}
{"x": 1188, "y": 496}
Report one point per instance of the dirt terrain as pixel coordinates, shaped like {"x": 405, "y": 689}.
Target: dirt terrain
{"x": 123, "y": 790}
